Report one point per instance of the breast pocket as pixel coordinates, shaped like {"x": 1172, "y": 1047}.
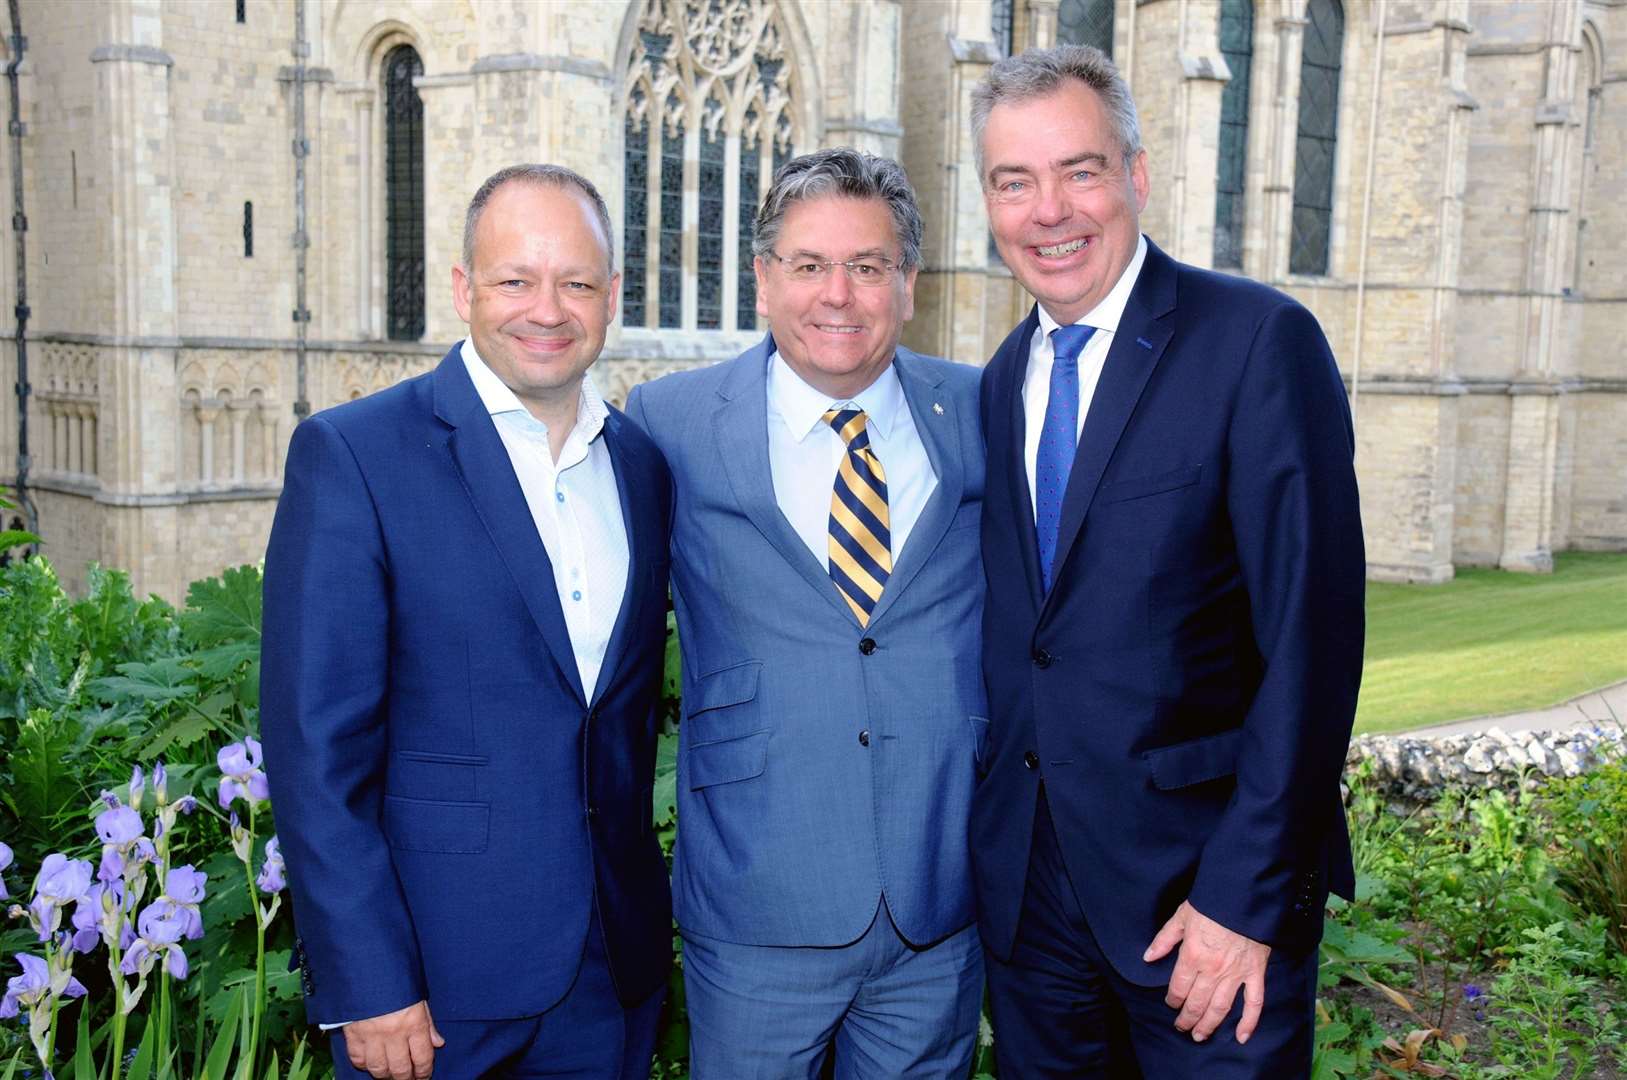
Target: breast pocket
{"x": 1141, "y": 487}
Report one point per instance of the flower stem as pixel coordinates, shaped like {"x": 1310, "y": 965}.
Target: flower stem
{"x": 113, "y": 958}
{"x": 259, "y": 953}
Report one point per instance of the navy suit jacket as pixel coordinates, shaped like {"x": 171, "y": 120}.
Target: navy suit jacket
{"x": 1187, "y": 687}
{"x": 822, "y": 765}
{"x": 450, "y": 805}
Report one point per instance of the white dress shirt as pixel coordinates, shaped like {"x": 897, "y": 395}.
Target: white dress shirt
{"x": 575, "y": 505}
{"x": 804, "y": 453}
{"x": 1041, "y": 354}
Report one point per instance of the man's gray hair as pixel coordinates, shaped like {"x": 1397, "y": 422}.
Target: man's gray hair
{"x": 554, "y": 176}
{"x": 1039, "y": 72}
{"x": 852, "y": 174}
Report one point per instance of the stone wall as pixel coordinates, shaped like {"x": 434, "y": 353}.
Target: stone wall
{"x": 1418, "y": 768}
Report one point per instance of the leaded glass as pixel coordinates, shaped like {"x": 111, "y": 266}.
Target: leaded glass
{"x": 1317, "y": 137}
{"x": 635, "y": 215}
{"x": 672, "y": 215}
{"x": 1000, "y": 20}
{"x": 1237, "y": 46}
{"x": 709, "y": 295}
{"x": 1086, "y": 22}
{"x": 404, "y": 195}
{"x": 751, "y": 163}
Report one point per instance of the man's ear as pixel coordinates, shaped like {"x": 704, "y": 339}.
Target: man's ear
{"x": 1138, "y": 179}
{"x": 460, "y": 291}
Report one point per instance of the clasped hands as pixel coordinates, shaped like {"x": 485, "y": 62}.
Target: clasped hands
{"x": 400, "y": 1045}
{"x": 1212, "y": 964}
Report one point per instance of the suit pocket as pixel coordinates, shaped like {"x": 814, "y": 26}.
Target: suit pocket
{"x": 728, "y": 760}
{"x": 1212, "y": 757}
{"x": 1142, "y": 486}
{"x": 435, "y": 757}
{"x": 718, "y": 690}
{"x": 451, "y": 828}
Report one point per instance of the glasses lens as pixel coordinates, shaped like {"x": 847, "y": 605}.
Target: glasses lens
{"x": 870, "y": 271}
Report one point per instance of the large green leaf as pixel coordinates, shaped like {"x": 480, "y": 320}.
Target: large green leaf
{"x": 43, "y": 784}
{"x": 214, "y": 1067}
{"x": 184, "y": 729}
{"x": 10, "y": 538}
{"x": 666, "y": 779}
{"x": 166, "y": 679}
{"x": 223, "y": 609}
{"x": 142, "y": 1066}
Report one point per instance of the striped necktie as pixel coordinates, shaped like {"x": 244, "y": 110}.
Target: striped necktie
{"x": 860, "y": 537}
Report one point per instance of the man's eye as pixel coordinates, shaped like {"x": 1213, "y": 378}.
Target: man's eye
{"x": 1012, "y": 187}
{"x": 579, "y": 286}
{"x": 807, "y": 269}
{"x": 1083, "y": 176}
{"x": 511, "y": 283}
{"x": 866, "y": 268}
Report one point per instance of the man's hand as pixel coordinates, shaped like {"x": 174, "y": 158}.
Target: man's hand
{"x": 1214, "y": 962}
{"x": 399, "y": 1045}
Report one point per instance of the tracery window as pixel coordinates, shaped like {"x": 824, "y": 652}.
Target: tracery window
{"x": 1318, "y": 137}
{"x": 1237, "y": 46}
{"x": 1086, "y": 22}
{"x": 403, "y": 195}
{"x": 710, "y": 116}
{"x": 1002, "y": 20}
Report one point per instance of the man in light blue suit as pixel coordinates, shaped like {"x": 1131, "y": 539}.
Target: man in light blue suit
{"x": 827, "y": 581}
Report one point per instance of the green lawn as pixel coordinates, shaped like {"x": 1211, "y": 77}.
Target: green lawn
{"x": 1493, "y": 642}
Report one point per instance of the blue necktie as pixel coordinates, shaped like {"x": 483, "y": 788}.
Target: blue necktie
{"x": 1058, "y": 441}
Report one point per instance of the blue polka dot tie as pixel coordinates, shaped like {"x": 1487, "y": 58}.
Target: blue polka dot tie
{"x": 1058, "y": 441}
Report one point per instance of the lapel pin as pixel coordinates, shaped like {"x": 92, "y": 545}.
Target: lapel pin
{"x": 937, "y": 408}
{"x": 1144, "y": 343}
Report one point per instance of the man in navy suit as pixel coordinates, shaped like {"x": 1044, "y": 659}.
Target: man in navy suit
{"x": 825, "y": 569}
{"x": 1173, "y": 631}
{"x": 465, "y": 602}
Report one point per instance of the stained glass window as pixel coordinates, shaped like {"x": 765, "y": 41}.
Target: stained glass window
{"x": 1086, "y": 22}
{"x": 1000, "y": 21}
{"x": 729, "y": 55}
{"x": 404, "y": 195}
{"x": 672, "y": 215}
{"x": 1317, "y": 138}
{"x": 751, "y": 163}
{"x": 709, "y": 297}
{"x": 635, "y": 211}
{"x": 1237, "y": 46}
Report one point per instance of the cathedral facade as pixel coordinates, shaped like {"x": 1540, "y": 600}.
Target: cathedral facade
{"x": 230, "y": 213}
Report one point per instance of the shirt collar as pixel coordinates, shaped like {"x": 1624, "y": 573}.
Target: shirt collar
{"x": 1105, "y": 315}
{"x": 803, "y": 408}
{"x": 499, "y": 400}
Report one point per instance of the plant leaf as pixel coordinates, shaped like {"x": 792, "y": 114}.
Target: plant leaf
{"x": 142, "y": 1066}
{"x": 666, "y": 779}
{"x": 42, "y": 783}
{"x": 224, "y": 609}
{"x": 183, "y": 730}
{"x": 220, "y": 1054}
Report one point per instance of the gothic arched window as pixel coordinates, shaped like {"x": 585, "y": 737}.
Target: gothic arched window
{"x": 1237, "y": 46}
{"x": 403, "y": 195}
{"x": 1086, "y": 22}
{"x": 710, "y": 116}
{"x": 1317, "y": 138}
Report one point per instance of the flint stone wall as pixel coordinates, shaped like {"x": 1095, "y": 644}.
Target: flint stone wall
{"x": 1418, "y": 768}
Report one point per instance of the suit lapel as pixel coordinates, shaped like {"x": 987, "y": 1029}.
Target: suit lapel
{"x": 637, "y": 514}
{"x": 1011, "y": 373}
{"x": 488, "y": 477}
{"x": 741, "y": 428}
{"x": 938, "y": 423}
{"x": 1137, "y": 347}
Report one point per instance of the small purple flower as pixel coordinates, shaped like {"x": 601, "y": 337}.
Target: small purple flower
{"x": 5, "y": 861}
{"x": 33, "y": 986}
{"x": 61, "y": 881}
{"x": 243, "y": 778}
{"x": 186, "y": 804}
{"x": 1472, "y": 993}
{"x": 273, "y": 875}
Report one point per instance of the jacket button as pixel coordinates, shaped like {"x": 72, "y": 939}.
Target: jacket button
{"x": 867, "y": 646}
{"x": 592, "y": 811}
{"x": 864, "y": 738}
{"x": 1031, "y": 760}
{"x": 1042, "y": 658}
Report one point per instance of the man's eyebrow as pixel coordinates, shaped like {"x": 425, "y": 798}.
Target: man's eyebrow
{"x": 1088, "y": 157}
{"x": 804, "y": 253}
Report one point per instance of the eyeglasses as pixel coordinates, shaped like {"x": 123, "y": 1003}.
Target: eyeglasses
{"x": 807, "y": 270}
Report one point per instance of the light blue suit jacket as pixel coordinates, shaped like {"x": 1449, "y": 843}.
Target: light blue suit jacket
{"x": 791, "y": 826}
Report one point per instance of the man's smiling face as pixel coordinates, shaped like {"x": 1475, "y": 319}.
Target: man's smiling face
{"x": 1063, "y": 203}
{"x": 836, "y": 335}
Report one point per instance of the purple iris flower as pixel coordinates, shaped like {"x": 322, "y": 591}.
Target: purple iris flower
{"x": 1472, "y": 993}
{"x": 241, "y": 764}
{"x": 61, "y": 881}
{"x": 5, "y": 861}
{"x": 184, "y": 887}
{"x": 273, "y": 875}
{"x": 186, "y": 804}
{"x": 138, "y": 784}
{"x": 118, "y": 826}
{"x": 33, "y": 985}
{"x": 160, "y": 783}
{"x": 162, "y": 924}
{"x": 87, "y": 919}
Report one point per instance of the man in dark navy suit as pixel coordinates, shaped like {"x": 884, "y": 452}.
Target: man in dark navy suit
{"x": 465, "y": 611}
{"x": 1174, "y": 623}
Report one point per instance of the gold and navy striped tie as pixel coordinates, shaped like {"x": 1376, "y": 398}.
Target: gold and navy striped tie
{"x": 860, "y": 536}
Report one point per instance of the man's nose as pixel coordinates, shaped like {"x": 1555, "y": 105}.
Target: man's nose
{"x": 545, "y": 308}
{"x": 1051, "y": 206}
{"x": 836, "y": 289}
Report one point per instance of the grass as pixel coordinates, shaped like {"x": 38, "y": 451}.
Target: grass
{"x": 1492, "y": 642}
